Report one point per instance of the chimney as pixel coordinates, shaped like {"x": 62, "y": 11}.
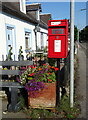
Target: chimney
{"x": 34, "y": 9}
{"x": 23, "y": 6}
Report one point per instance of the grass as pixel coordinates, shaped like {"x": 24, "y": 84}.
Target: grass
{"x": 61, "y": 111}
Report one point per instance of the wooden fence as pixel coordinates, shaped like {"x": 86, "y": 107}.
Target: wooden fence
{"x": 36, "y": 60}
{"x": 7, "y": 83}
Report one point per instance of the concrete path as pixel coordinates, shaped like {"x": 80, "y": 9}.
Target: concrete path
{"x": 5, "y": 114}
{"x": 81, "y": 81}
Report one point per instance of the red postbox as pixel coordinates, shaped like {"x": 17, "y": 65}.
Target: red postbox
{"x": 57, "y": 38}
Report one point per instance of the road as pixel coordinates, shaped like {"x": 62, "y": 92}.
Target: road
{"x": 81, "y": 86}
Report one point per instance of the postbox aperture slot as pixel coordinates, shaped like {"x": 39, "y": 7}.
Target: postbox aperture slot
{"x": 58, "y": 31}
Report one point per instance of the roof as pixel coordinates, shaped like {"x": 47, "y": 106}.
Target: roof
{"x": 13, "y": 8}
{"x": 45, "y": 17}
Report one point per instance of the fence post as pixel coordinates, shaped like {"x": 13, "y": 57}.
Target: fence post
{"x": 58, "y": 83}
{"x": 2, "y": 57}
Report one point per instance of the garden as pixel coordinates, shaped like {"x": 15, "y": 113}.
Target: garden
{"x": 38, "y": 95}
{"x": 40, "y": 84}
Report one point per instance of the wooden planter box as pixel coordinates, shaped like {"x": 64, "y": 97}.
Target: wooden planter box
{"x": 45, "y": 98}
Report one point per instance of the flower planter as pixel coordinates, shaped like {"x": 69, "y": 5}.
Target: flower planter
{"x": 45, "y": 98}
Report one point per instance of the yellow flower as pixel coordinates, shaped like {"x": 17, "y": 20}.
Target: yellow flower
{"x": 4, "y": 68}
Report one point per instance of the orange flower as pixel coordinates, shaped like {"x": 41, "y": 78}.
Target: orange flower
{"x": 52, "y": 67}
{"x": 39, "y": 68}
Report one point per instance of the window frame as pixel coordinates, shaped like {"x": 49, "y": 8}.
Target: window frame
{"x": 30, "y": 40}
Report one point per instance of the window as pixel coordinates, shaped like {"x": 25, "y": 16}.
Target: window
{"x": 27, "y": 39}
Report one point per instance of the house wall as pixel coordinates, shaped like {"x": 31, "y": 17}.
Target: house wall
{"x": 19, "y": 31}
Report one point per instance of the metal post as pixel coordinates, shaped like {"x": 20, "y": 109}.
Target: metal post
{"x": 58, "y": 83}
{"x": 72, "y": 53}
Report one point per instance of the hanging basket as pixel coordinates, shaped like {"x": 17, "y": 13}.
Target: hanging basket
{"x": 45, "y": 98}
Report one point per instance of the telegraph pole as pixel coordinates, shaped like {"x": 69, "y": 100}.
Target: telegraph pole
{"x": 72, "y": 53}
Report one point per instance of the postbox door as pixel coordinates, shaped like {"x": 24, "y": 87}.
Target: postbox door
{"x": 57, "y": 46}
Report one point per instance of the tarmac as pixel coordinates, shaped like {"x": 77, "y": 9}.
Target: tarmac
{"x": 81, "y": 88}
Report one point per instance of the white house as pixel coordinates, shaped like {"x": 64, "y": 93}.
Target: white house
{"x": 21, "y": 25}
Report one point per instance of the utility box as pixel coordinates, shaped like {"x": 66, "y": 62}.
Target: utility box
{"x": 57, "y": 38}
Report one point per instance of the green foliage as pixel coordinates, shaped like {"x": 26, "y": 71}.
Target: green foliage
{"x": 45, "y": 49}
{"x": 38, "y": 49}
{"x": 51, "y": 61}
{"x": 40, "y": 113}
{"x": 68, "y": 112}
{"x": 9, "y": 57}
{"x": 83, "y": 35}
{"x": 75, "y": 33}
{"x": 20, "y": 56}
{"x": 21, "y": 99}
{"x": 62, "y": 111}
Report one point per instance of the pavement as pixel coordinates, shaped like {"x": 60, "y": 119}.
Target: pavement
{"x": 5, "y": 114}
{"x": 81, "y": 89}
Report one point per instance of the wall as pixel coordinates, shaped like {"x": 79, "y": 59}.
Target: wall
{"x": 20, "y": 27}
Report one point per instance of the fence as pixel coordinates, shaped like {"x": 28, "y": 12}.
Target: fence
{"x": 37, "y": 59}
{"x": 40, "y": 58}
{"x": 8, "y": 74}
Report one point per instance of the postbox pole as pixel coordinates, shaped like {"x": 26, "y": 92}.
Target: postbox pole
{"x": 58, "y": 83}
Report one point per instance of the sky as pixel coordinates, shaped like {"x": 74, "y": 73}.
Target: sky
{"x": 61, "y": 10}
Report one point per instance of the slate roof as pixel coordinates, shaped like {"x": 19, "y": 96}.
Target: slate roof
{"x": 45, "y": 17}
{"x": 13, "y": 8}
